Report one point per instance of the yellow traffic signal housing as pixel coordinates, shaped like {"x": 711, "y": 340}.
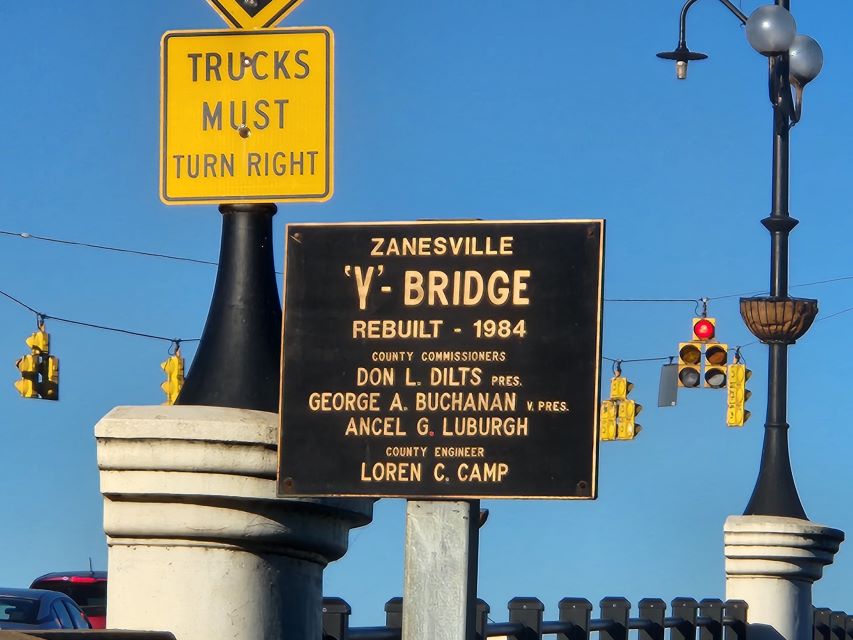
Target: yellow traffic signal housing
{"x": 689, "y": 363}
{"x": 608, "y": 420}
{"x": 39, "y": 342}
{"x": 738, "y": 394}
{"x": 626, "y": 425}
{"x": 39, "y": 370}
{"x": 619, "y": 387}
{"x": 174, "y": 368}
{"x": 49, "y": 387}
{"x": 27, "y": 386}
{"x": 704, "y": 329}
{"x": 716, "y": 358}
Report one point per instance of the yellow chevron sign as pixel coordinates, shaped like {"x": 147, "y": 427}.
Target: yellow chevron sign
{"x": 253, "y": 14}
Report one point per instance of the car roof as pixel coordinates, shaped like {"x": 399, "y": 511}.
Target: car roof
{"x": 44, "y": 597}
{"x": 35, "y": 594}
{"x": 65, "y": 575}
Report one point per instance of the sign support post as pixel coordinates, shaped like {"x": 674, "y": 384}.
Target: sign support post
{"x": 440, "y": 569}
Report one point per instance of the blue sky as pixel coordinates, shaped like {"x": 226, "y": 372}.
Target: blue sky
{"x": 543, "y": 109}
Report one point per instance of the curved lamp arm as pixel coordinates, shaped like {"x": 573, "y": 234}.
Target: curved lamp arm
{"x": 682, "y": 23}
{"x": 788, "y": 108}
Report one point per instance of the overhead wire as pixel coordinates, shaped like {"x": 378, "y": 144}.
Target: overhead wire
{"x": 737, "y": 347}
{"x": 14, "y": 299}
{"x": 152, "y": 254}
{"x": 44, "y": 316}
{"x": 104, "y": 247}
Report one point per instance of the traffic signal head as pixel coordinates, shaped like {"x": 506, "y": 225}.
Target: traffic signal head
{"x": 39, "y": 342}
{"x": 626, "y": 425}
{"x": 608, "y": 420}
{"x": 738, "y": 394}
{"x": 174, "y": 368}
{"x": 49, "y": 387}
{"x": 619, "y": 387}
{"x": 716, "y": 357}
{"x": 27, "y": 386}
{"x": 689, "y": 359}
{"x": 704, "y": 329}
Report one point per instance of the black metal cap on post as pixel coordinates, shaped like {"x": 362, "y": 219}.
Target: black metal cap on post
{"x": 237, "y": 363}
{"x": 775, "y": 492}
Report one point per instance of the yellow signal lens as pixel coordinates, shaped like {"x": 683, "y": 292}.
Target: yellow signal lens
{"x": 716, "y": 354}
{"x": 690, "y": 354}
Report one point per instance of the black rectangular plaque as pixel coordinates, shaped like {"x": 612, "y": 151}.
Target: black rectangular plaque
{"x": 441, "y": 359}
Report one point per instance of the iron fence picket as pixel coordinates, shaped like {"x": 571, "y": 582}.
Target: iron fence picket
{"x": 822, "y": 629}
{"x": 684, "y": 610}
{"x": 652, "y": 610}
{"x": 528, "y": 612}
{"x": 615, "y": 610}
{"x": 482, "y": 618}
{"x": 336, "y": 613}
{"x": 577, "y": 612}
{"x": 838, "y": 625}
{"x": 711, "y": 610}
{"x": 734, "y": 618}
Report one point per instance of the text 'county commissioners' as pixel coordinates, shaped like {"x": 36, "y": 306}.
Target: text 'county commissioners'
{"x": 246, "y": 116}
{"x": 441, "y": 359}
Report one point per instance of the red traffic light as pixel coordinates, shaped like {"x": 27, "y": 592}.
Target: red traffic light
{"x": 703, "y": 329}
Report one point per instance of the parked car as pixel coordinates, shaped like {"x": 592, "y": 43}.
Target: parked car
{"x": 87, "y": 588}
{"x": 39, "y": 609}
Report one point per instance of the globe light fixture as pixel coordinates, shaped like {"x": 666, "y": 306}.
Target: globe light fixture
{"x": 806, "y": 60}
{"x": 771, "y": 30}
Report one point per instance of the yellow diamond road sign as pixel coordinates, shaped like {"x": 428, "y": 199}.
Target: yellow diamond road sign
{"x": 253, "y": 14}
{"x": 247, "y": 116}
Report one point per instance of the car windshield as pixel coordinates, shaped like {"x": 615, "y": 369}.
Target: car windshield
{"x": 91, "y": 596}
{"x": 18, "y": 610}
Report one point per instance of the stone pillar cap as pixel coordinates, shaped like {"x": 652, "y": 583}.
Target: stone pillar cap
{"x": 779, "y": 524}
{"x": 778, "y": 547}
{"x": 189, "y": 422}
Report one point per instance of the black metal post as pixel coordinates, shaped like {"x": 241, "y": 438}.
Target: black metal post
{"x": 616, "y": 610}
{"x": 237, "y": 363}
{"x": 712, "y": 610}
{"x": 394, "y": 613}
{"x": 775, "y": 493}
{"x": 653, "y": 610}
{"x": 735, "y": 613}
{"x": 482, "y": 614}
{"x": 684, "y": 610}
{"x": 528, "y": 612}
{"x": 577, "y": 611}
{"x": 336, "y": 613}
{"x": 822, "y": 630}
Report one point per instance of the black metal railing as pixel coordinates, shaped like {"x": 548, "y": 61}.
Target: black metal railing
{"x": 713, "y": 619}
{"x": 832, "y": 625}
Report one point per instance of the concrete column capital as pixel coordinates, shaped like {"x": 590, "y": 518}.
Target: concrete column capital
{"x": 771, "y": 546}
{"x": 197, "y": 534}
{"x": 771, "y": 564}
{"x": 208, "y": 474}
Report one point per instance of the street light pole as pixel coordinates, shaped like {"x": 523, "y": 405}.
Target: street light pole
{"x": 777, "y": 320}
{"x": 775, "y": 492}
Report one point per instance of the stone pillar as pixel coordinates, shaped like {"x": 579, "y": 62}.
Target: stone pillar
{"x": 771, "y": 563}
{"x": 199, "y": 544}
